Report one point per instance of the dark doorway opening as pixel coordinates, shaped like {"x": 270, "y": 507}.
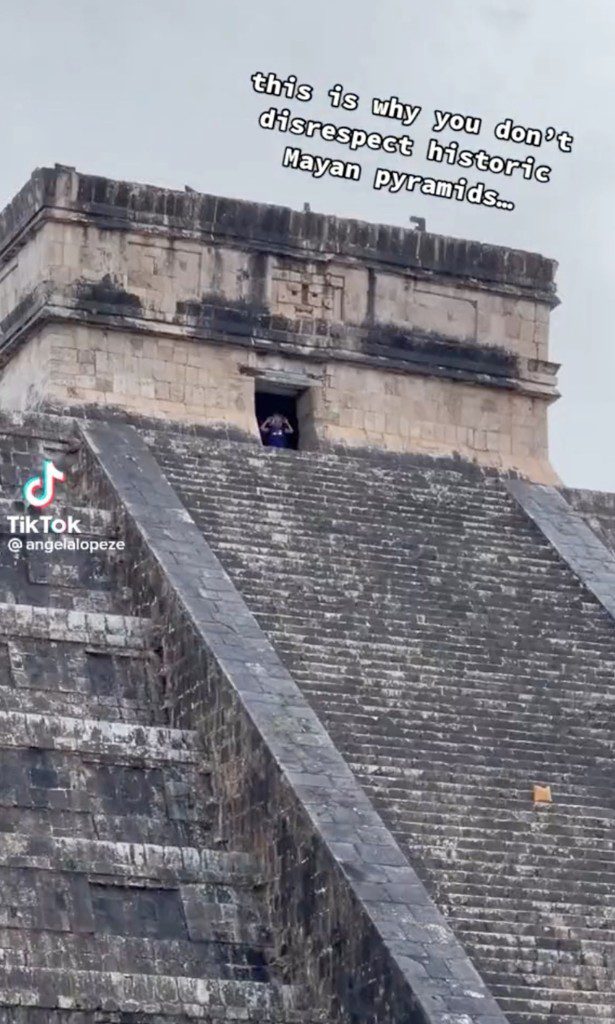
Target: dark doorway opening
{"x": 268, "y": 402}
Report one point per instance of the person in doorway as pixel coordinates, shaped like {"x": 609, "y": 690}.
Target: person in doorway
{"x": 276, "y": 431}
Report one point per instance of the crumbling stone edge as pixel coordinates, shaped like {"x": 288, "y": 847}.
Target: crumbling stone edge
{"x": 351, "y": 917}
{"x": 62, "y": 191}
{"x": 570, "y": 535}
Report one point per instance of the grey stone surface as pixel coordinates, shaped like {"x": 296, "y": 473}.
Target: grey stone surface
{"x": 118, "y": 204}
{"x": 118, "y": 902}
{"x": 456, "y": 661}
{"x": 571, "y": 536}
{"x": 253, "y": 321}
{"x": 456, "y": 654}
{"x": 597, "y": 508}
{"x": 343, "y": 890}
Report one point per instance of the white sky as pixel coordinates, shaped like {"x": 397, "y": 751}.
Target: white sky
{"x": 159, "y": 91}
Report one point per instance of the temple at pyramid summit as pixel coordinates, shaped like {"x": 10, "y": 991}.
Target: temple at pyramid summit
{"x": 180, "y": 306}
{"x": 307, "y": 653}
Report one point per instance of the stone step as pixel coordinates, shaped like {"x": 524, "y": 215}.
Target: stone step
{"x": 417, "y": 536}
{"x": 484, "y": 792}
{"x": 571, "y": 1000}
{"x": 533, "y": 866}
{"x": 386, "y": 755}
{"x": 459, "y": 843}
{"x": 547, "y": 815}
{"x": 52, "y": 887}
{"x": 528, "y": 856}
{"x": 146, "y": 861}
{"x": 78, "y": 580}
{"x": 330, "y": 516}
{"x": 432, "y": 693}
{"x": 498, "y": 890}
{"x": 475, "y": 663}
{"x": 533, "y": 900}
{"x": 103, "y": 780}
{"x": 415, "y": 666}
{"x": 537, "y": 1017}
{"x": 411, "y": 671}
{"x": 513, "y": 812}
{"x": 456, "y": 661}
{"x": 437, "y": 720}
{"x": 482, "y": 888}
{"x": 32, "y": 1015}
{"x": 558, "y": 974}
{"x": 500, "y": 847}
{"x": 507, "y": 559}
{"x": 118, "y": 742}
{"x": 545, "y": 921}
{"x": 96, "y": 629}
{"x": 521, "y": 944}
{"x": 546, "y": 821}
{"x": 516, "y": 926}
{"x": 277, "y": 497}
{"x": 64, "y": 677}
{"x": 505, "y": 552}
{"x": 148, "y": 994}
{"x": 597, "y": 738}
{"x": 579, "y": 1008}
{"x": 435, "y": 726}
{"x": 249, "y": 562}
{"x": 154, "y": 940}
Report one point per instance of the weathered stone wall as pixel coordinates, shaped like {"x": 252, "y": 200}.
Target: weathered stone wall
{"x": 119, "y": 901}
{"x": 33, "y": 376}
{"x": 169, "y": 304}
{"x": 76, "y": 364}
{"x": 158, "y": 274}
{"x": 357, "y": 406}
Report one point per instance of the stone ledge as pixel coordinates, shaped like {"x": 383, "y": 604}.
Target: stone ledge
{"x": 341, "y": 886}
{"x": 581, "y": 500}
{"x": 222, "y": 1001}
{"x": 177, "y": 864}
{"x": 120, "y": 204}
{"x": 407, "y": 352}
{"x": 93, "y": 628}
{"x": 140, "y": 744}
{"x": 55, "y": 427}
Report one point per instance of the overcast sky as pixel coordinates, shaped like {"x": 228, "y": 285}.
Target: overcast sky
{"x": 159, "y": 91}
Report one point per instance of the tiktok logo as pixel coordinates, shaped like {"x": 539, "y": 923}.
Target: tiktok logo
{"x": 39, "y": 491}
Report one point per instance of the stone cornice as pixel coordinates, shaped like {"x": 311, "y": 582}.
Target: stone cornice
{"x": 390, "y": 350}
{"x": 118, "y": 205}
